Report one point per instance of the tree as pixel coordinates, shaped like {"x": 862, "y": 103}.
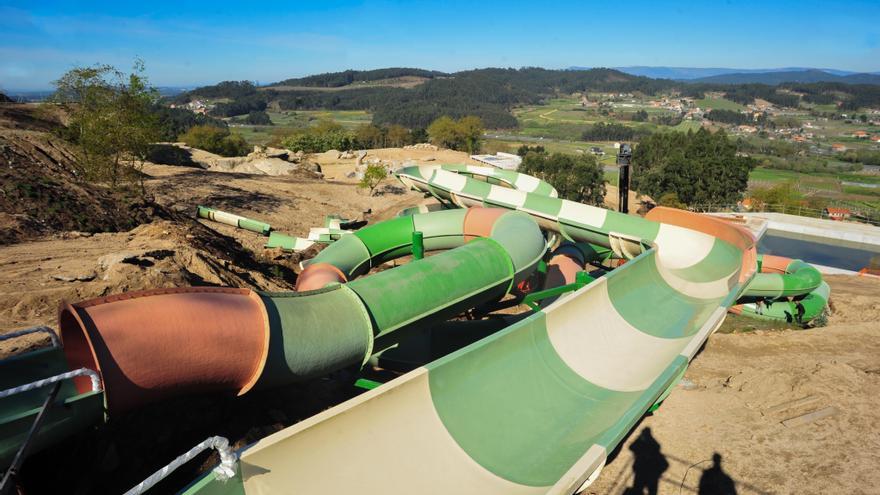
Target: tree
{"x": 525, "y": 149}
{"x": 699, "y": 167}
{"x": 373, "y": 176}
{"x": 443, "y": 132}
{"x": 258, "y": 117}
{"x": 462, "y": 135}
{"x": 640, "y": 116}
{"x": 216, "y": 140}
{"x": 782, "y": 194}
{"x": 397, "y": 136}
{"x": 602, "y": 131}
{"x": 111, "y": 120}
{"x": 325, "y": 136}
{"x": 369, "y": 136}
{"x": 470, "y": 130}
{"x": 578, "y": 178}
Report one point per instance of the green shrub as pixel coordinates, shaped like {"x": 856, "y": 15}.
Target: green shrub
{"x": 373, "y": 176}
{"x": 215, "y": 140}
{"x": 325, "y": 135}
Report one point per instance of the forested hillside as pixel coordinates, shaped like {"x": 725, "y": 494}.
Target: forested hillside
{"x": 339, "y": 79}
{"x": 490, "y": 93}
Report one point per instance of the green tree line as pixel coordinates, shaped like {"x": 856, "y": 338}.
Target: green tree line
{"x": 691, "y": 168}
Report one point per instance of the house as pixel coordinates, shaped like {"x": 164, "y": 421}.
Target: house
{"x": 838, "y": 214}
{"x": 838, "y": 147}
{"x": 798, "y": 138}
{"x": 876, "y": 138}
{"x": 861, "y": 135}
{"x": 748, "y": 129}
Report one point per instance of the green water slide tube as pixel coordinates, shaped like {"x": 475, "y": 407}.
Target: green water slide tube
{"x": 368, "y": 314}
{"x": 536, "y": 407}
{"x": 785, "y": 290}
{"x": 233, "y": 220}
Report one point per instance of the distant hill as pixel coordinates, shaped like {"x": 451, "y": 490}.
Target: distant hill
{"x": 5, "y": 99}
{"x": 688, "y": 73}
{"x": 344, "y": 78}
{"x": 776, "y": 78}
{"x": 773, "y": 77}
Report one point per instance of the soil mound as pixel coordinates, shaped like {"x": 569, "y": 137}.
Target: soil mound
{"x": 40, "y": 191}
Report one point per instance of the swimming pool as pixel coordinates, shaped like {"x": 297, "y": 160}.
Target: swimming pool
{"x": 821, "y": 251}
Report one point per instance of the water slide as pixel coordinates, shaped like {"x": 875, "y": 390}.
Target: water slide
{"x": 537, "y": 406}
{"x": 784, "y": 290}
{"x": 147, "y": 346}
{"x": 533, "y": 408}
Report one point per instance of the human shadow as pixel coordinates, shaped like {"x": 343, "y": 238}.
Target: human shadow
{"x": 715, "y": 481}
{"x": 649, "y": 464}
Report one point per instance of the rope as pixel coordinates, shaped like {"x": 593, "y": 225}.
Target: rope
{"x": 96, "y": 382}
{"x": 223, "y": 472}
{"x": 52, "y": 335}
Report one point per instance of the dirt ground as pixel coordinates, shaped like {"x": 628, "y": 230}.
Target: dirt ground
{"x": 734, "y": 398}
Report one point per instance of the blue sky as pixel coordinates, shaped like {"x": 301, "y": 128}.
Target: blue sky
{"x": 187, "y": 43}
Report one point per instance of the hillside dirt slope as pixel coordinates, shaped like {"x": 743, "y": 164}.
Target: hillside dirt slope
{"x": 40, "y": 192}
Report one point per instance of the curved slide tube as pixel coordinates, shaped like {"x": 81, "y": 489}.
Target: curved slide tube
{"x": 784, "y": 290}
{"x": 151, "y": 345}
{"x": 778, "y": 278}
{"x": 537, "y": 406}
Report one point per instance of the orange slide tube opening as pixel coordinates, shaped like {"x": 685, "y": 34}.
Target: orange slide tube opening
{"x": 150, "y": 345}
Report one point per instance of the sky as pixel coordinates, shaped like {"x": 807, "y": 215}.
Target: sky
{"x": 187, "y": 43}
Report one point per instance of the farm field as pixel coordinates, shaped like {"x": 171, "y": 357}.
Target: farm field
{"x": 285, "y": 120}
{"x": 719, "y": 104}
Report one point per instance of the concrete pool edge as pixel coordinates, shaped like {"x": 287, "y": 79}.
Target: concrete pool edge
{"x": 816, "y": 227}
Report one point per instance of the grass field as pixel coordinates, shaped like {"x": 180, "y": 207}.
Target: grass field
{"x": 719, "y": 104}
{"x": 286, "y": 121}
{"x": 303, "y": 118}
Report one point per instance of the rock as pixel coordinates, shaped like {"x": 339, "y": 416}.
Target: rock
{"x": 346, "y": 155}
{"x": 687, "y": 384}
{"x": 85, "y": 277}
{"x": 269, "y": 152}
{"x": 422, "y": 146}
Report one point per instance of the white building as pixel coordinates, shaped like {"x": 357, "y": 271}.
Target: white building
{"x": 506, "y": 161}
